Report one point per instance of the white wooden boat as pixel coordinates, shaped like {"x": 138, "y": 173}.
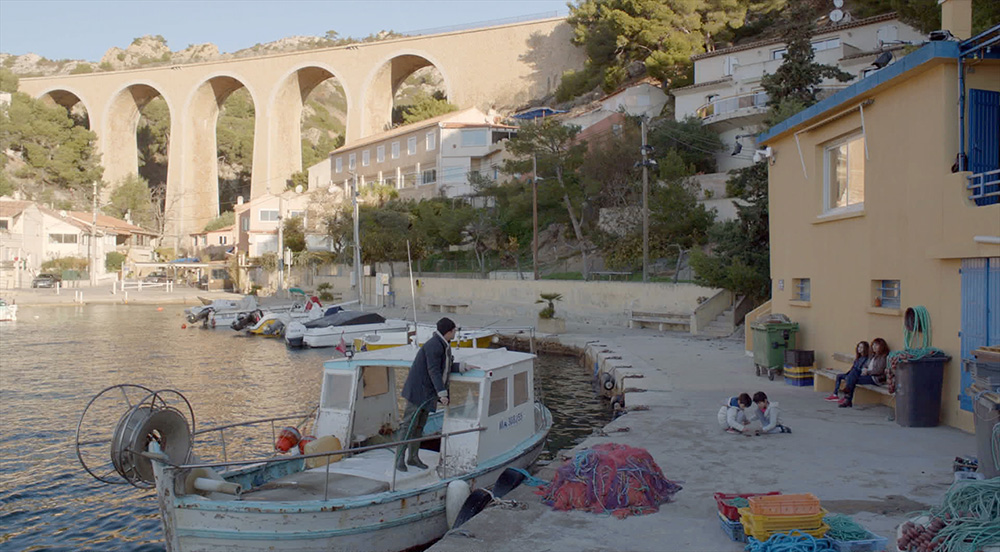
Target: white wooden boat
{"x": 358, "y": 501}
{"x": 8, "y": 311}
{"x": 481, "y": 338}
{"x": 344, "y": 326}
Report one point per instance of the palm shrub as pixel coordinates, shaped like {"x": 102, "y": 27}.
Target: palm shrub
{"x": 550, "y": 309}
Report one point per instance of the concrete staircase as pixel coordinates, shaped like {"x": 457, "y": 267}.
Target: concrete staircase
{"x": 722, "y": 326}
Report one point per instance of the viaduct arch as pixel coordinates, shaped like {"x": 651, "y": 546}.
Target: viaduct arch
{"x": 494, "y": 67}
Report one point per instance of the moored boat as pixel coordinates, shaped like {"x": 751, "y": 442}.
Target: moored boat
{"x": 8, "y": 311}
{"x": 357, "y": 501}
{"x": 481, "y": 338}
{"x": 341, "y": 327}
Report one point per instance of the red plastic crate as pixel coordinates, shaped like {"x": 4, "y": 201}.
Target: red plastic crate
{"x": 730, "y": 512}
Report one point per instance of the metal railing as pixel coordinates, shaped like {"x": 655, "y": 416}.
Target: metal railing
{"x": 226, "y": 463}
{"x": 483, "y": 24}
{"x": 731, "y": 104}
{"x": 984, "y": 188}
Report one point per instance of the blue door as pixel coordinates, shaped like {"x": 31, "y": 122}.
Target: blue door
{"x": 980, "y": 312}
{"x": 984, "y": 141}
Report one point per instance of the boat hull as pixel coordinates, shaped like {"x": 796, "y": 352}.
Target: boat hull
{"x": 331, "y": 336}
{"x": 384, "y": 522}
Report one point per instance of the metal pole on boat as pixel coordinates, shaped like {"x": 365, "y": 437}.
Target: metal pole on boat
{"x": 413, "y": 292}
{"x": 357, "y": 244}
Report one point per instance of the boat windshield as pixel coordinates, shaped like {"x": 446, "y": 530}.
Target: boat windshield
{"x": 465, "y": 400}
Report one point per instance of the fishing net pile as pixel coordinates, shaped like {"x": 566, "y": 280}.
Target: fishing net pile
{"x": 610, "y": 478}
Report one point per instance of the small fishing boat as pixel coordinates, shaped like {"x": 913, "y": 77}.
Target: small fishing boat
{"x": 340, "y": 498}
{"x": 8, "y": 311}
{"x": 341, "y": 327}
{"x": 472, "y": 338}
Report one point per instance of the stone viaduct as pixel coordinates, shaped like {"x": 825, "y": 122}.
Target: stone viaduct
{"x": 497, "y": 67}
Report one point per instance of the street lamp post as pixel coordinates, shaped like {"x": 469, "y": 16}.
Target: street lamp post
{"x": 93, "y": 242}
{"x": 281, "y": 242}
{"x": 357, "y": 242}
{"x": 534, "y": 214}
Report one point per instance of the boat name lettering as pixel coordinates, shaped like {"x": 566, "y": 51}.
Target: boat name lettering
{"x": 512, "y": 420}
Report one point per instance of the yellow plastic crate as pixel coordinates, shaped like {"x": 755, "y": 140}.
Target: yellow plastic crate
{"x": 797, "y": 370}
{"x": 760, "y": 526}
{"x": 784, "y": 505}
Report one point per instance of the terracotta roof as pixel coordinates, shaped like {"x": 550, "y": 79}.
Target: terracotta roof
{"x": 67, "y": 219}
{"x": 119, "y": 226}
{"x": 723, "y": 80}
{"x": 13, "y": 208}
{"x": 399, "y": 131}
{"x": 476, "y": 125}
{"x": 822, "y": 30}
{"x": 645, "y": 80}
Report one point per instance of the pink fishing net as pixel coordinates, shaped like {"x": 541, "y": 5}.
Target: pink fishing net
{"x": 609, "y": 478}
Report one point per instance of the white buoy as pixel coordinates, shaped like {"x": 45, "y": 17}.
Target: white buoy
{"x": 458, "y": 492}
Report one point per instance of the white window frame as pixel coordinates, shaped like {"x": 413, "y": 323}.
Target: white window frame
{"x": 338, "y": 164}
{"x": 779, "y": 53}
{"x": 395, "y": 150}
{"x": 261, "y": 218}
{"x": 411, "y": 145}
{"x": 473, "y": 138}
{"x": 352, "y": 161}
{"x": 366, "y": 158}
{"x": 828, "y": 193}
{"x": 430, "y": 141}
{"x": 380, "y": 154}
{"x": 802, "y": 290}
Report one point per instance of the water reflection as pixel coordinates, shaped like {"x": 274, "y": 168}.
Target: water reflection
{"x": 50, "y": 366}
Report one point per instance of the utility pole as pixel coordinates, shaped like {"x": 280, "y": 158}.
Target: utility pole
{"x": 534, "y": 213}
{"x": 645, "y": 206}
{"x": 357, "y": 243}
{"x": 93, "y": 242}
{"x": 281, "y": 242}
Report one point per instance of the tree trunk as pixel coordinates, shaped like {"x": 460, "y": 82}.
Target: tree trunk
{"x": 577, "y": 228}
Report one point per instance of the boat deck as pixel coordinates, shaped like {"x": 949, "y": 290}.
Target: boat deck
{"x": 367, "y": 473}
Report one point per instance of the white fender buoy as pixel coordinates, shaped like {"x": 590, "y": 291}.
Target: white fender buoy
{"x": 458, "y": 492}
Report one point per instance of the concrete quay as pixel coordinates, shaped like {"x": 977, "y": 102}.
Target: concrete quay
{"x": 101, "y": 294}
{"x": 855, "y": 460}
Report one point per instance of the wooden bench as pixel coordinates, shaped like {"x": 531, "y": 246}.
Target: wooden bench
{"x": 447, "y": 306}
{"x": 661, "y": 320}
{"x": 824, "y": 379}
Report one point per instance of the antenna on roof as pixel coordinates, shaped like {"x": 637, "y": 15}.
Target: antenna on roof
{"x": 837, "y": 15}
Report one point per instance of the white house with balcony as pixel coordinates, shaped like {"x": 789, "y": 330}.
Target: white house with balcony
{"x": 727, "y": 94}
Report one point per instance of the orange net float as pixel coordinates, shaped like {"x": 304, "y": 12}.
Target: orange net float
{"x": 303, "y": 441}
{"x": 287, "y": 438}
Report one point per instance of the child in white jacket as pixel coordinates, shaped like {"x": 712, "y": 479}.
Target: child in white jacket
{"x": 732, "y": 416}
{"x": 769, "y": 415}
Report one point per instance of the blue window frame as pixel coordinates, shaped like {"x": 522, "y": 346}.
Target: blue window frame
{"x": 984, "y": 146}
{"x": 888, "y": 294}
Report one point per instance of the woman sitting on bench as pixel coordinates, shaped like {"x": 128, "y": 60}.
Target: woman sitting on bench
{"x": 873, "y": 373}
{"x": 862, "y": 353}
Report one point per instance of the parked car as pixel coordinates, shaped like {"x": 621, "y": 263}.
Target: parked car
{"x": 46, "y": 280}
{"x": 156, "y": 278}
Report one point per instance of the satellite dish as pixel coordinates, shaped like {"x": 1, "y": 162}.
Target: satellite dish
{"x": 62, "y": 214}
{"x": 838, "y": 3}
{"x": 836, "y": 15}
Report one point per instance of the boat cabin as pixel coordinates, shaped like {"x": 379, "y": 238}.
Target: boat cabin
{"x": 360, "y": 403}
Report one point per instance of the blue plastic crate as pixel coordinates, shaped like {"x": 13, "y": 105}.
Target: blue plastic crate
{"x": 732, "y": 528}
{"x": 799, "y": 382}
{"x": 874, "y": 543}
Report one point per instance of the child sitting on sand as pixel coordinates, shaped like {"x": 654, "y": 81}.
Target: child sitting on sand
{"x": 769, "y": 415}
{"x": 733, "y": 417}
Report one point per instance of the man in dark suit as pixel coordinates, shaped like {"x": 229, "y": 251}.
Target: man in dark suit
{"x": 427, "y": 380}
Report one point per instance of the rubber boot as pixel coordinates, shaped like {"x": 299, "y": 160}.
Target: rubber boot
{"x": 400, "y": 463}
{"x": 414, "y": 457}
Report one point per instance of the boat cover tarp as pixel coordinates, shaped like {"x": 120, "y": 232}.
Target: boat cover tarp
{"x": 610, "y": 478}
{"x": 346, "y": 318}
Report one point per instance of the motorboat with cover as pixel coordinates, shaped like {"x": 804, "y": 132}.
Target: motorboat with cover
{"x": 343, "y": 495}
{"x": 271, "y": 323}
{"x": 8, "y": 311}
{"x": 343, "y": 326}
{"x": 481, "y": 338}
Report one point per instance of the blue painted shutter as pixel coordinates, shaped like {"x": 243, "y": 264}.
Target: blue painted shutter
{"x": 980, "y": 312}
{"x": 984, "y": 139}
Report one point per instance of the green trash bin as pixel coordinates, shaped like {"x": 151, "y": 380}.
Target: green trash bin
{"x": 772, "y": 336}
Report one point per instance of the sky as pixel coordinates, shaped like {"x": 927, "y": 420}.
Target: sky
{"x": 82, "y": 29}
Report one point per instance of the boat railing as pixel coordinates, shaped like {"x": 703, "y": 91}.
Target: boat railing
{"x": 353, "y": 450}
{"x": 222, "y": 429}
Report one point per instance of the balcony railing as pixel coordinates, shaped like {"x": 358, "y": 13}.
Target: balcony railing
{"x": 984, "y": 188}
{"x": 723, "y": 106}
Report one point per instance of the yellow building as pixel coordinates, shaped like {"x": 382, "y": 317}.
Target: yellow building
{"x": 870, "y": 214}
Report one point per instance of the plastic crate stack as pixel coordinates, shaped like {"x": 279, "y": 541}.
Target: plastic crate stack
{"x": 771, "y": 514}
{"x": 729, "y": 515}
{"x": 798, "y": 368}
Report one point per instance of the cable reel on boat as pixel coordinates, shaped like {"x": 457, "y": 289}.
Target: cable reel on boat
{"x": 150, "y": 416}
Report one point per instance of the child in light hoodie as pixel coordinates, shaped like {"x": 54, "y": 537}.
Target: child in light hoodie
{"x": 769, "y": 415}
{"x": 733, "y": 417}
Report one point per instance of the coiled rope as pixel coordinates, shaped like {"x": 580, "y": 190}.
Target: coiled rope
{"x": 917, "y": 320}
{"x": 972, "y": 512}
{"x": 844, "y": 528}
{"x": 793, "y": 541}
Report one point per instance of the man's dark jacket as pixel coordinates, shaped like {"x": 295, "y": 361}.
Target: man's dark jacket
{"x": 425, "y": 379}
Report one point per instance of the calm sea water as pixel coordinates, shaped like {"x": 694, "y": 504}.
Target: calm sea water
{"x": 53, "y": 360}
